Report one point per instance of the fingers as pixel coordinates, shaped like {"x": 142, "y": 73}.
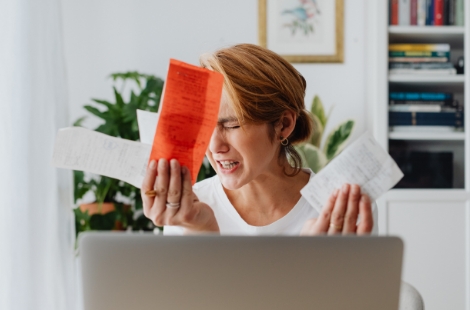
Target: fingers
{"x": 187, "y": 197}
{"x": 366, "y": 222}
{"x": 323, "y": 222}
{"x": 147, "y": 185}
{"x": 337, "y": 216}
{"x": 341, "y": 212}
{"x": 174, "y": 190}
{"x": 350, "y": 219}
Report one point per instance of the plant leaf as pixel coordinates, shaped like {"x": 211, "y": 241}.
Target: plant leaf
{"x": 317, "y": 131}
{"x": 315, "y": 159}
{"x": 318, "y": 110}
{"x": 78, "y": 122}
{"x": 96, "y": 112}
{"x": 337, "y": 138}
{"x": 119, "y": 100}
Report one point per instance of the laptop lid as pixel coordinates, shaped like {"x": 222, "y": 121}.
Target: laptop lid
{"x": 136, "y": 271}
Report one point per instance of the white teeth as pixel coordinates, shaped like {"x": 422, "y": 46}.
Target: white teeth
{"x": 228, "y": 164}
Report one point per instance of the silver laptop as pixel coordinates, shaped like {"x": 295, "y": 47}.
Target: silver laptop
{"x": 134, "y": 271}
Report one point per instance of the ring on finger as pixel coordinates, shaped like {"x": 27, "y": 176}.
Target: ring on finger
{"x": 151, "y": 193}
{"x": 337, "y": 227}
{"x": 172, "y": 205}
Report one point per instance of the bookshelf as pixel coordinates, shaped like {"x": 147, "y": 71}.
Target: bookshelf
{"x": 433, "y": 222}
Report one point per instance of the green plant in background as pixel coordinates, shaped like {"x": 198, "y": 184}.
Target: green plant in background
{"x": 313, "y": 154}
{"x": 119, "y": 120}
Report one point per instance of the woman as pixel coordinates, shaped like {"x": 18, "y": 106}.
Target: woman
{"x": 257, "y": 187}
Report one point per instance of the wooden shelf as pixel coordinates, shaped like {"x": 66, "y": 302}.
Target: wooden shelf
{"x": 427, "y": 34}
{"x": 423, "y": 30}
{"x": 437, "y": 136}
{"x": 425, "y": 79}
{"x": 429, "y": 194}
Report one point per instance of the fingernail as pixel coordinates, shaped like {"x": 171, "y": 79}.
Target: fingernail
{"x": 153, "y": 164}
{"x": 355, "y": 188}
{"x": 364, "y": 198}
{"x": 335, "y": 193}
{"x": 345, "y": 188}
{"x": 173, "y": 163}
{"x": 162, "y": 163}
{"x": 184, "y": 170}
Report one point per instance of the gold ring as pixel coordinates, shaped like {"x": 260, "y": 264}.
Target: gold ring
{"x": 337, "y": 227}
{"x": 151, "y": 193}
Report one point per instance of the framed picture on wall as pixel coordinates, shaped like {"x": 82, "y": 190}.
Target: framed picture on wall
{"x": 302, "y": 30}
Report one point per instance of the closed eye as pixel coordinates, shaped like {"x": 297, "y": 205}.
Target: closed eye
{"x": 231, "y": 127}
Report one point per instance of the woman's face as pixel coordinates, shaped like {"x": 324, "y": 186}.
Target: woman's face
{"x": 241, "y": 155}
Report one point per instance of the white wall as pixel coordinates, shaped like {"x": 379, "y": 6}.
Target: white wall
{"x": 105, "y": 36}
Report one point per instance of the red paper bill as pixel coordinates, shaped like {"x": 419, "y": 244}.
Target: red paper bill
{"x": 188, "y": 115}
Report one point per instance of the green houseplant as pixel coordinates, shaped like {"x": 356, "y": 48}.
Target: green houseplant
{"x": 315, "y": 154}
{"x": 119, "y": 120}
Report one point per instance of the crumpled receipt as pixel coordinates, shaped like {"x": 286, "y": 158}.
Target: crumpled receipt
{"x": 364, "y": 163}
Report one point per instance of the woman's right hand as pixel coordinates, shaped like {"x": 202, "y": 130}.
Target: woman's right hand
{"x": 169, "y": 199}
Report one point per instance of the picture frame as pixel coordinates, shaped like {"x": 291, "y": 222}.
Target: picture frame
{"x": 303, "y": 31}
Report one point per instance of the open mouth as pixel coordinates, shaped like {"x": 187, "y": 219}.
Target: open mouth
{"x": 228, "y": 165}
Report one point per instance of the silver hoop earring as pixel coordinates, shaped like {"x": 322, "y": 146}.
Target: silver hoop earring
{"x": 284, "y": 142}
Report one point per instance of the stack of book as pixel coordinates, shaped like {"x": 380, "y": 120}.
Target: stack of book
{"x": 426, "y": 12}
{"x": 420, "y": 59}
{"x": 418, "y": 111}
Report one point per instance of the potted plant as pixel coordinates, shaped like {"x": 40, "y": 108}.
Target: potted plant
{"x": 313, "y": 154}
{"x": 117, "y": 203}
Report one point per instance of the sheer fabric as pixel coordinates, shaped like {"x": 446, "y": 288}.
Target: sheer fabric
{"x": 36, "y": 219}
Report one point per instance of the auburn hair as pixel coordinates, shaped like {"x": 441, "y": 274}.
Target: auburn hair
{"x": 261, "y": 86}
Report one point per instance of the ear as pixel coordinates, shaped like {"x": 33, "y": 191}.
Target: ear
{"x": 286, "y": 124}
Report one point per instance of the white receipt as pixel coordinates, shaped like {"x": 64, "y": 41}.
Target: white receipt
{"x": 364, "y": 163}
{"x": 147, "y": 125}
{"x": 82, "y": 149}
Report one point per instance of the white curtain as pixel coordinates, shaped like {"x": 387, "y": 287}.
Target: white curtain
{"x": 36, "y": 220}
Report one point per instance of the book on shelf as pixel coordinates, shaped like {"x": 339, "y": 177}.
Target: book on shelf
{"x": 403, "y": 47}
{"x": 419, "y": 59}
{"x": 442, "y": 103}
{"x": 419, "y": 54}
{"x": 443, "y": 118}
{"x": 438, "y": 12}
{"x": 404, "y": 8}
{"x": 393, "y": 12}
{"x": 459, "y": 13}
{"x": 421, "y": 12}
{"x": 418, "y": 108}
{"x": 421, "y": 65}
{"x": 429, "y": 12}
{"x": 426, "y": 12}
{"x": 425, "y": 96}
{"x": 413, "y": 12}
{"x": 423, "y": 71}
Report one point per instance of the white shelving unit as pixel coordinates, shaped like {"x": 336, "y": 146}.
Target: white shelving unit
{"x": 434, "y": 223}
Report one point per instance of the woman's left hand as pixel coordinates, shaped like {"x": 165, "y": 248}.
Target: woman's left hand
{"x": 340, "y": 214}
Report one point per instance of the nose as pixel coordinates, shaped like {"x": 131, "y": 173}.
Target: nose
{"x": 218, "y": 143}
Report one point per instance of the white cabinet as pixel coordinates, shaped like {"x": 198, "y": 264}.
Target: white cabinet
{"x": 434, "y": 223}
{"x": 435, "y": 236}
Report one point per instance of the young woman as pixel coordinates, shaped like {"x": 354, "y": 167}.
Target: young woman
{"x": 257, "y": 187}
